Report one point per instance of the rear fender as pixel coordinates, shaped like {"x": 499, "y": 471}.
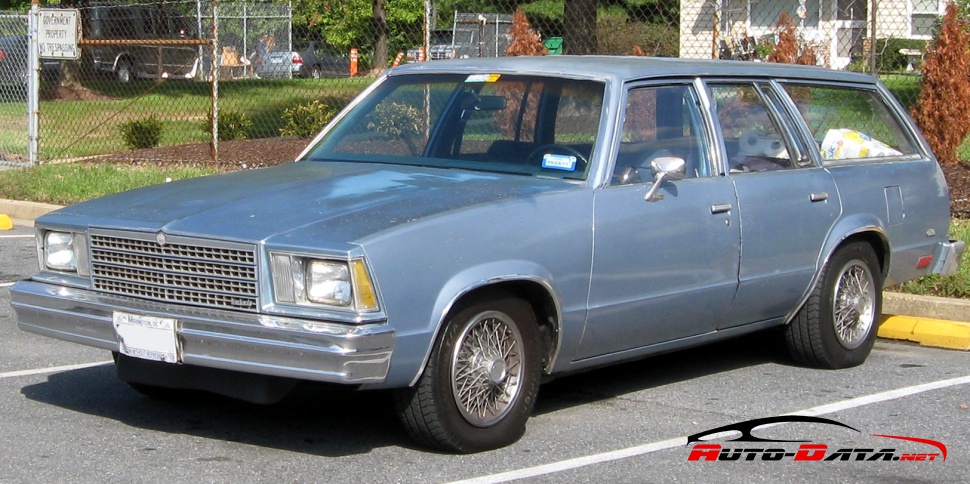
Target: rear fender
{"x": 865, "y": 225}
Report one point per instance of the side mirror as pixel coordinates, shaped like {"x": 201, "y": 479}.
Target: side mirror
{"x": 665, "y": 168}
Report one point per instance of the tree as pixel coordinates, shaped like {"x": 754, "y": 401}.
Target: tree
{"x": 579, "y": 17}
{"x": 789, "y": 50}
{"x": 525, "y": 40}
{"x": 17, "y": 5}
{"x": 941, "y": 112}
{"x": 376, "y": 27}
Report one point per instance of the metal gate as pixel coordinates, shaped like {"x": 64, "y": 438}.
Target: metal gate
{"x": 13, "y": 90}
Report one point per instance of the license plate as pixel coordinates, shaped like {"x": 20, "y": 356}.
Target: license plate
{"x": 146, "y": 337}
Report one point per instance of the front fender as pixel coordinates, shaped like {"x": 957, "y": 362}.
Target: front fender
{"x": 477, "y": 277}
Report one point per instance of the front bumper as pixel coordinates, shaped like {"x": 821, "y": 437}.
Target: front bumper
{"x": 229, "y": 340}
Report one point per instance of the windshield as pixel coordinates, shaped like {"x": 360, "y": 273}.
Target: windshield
{"x": 528, "y": 125}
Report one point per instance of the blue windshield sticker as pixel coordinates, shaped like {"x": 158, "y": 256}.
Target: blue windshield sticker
{"x": 559, "y": 162}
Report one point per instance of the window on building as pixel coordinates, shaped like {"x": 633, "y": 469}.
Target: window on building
{"x": 923, "y": 17}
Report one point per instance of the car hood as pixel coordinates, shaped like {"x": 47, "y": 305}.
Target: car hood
{"x": 324, "y": 204}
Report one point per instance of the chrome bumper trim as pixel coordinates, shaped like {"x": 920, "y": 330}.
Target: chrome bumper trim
{"x": 950, "y": 254}
{"x": 229, "y": 340}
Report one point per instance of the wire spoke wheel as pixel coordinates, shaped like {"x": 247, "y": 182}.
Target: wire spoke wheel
{"x": 481, "y": 379}
{"x": 853, "y": 304}
{"x": 486, "y": 368}
{"x": 836, "y": 326}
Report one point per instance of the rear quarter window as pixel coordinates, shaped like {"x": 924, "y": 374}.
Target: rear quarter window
{"x": 850, "y": 123}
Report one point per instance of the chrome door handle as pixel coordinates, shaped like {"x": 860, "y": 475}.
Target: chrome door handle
{"x": 721, "y": 208}
{"x": 819, "y": 197}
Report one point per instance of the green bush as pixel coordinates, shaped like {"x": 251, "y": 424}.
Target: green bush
{"x": 142, "y": 133}
{"x": 306, "y": 120}
{"x": 888, "y": 58}
{"x": 617, "y": 35}
{"x": 232, "y": 125}
{"x": 395, "y": 120}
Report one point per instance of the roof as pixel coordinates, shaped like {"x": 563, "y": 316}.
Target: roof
{"x": 622, "y": 68}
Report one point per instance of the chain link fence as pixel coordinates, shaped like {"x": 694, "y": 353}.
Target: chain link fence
{"x": 152, "y": 74}
{"x": 13, "y": 89}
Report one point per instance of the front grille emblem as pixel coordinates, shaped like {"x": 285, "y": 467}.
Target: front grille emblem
{"x": 160, "y": 238}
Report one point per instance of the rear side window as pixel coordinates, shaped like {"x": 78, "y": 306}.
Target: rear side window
{"x": 850, "y": 124}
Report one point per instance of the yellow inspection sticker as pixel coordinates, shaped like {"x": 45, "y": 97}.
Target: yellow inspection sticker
{"x": 483, "y": 78}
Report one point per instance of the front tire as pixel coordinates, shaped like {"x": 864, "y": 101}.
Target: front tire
{"x": 481, "y": 380}
{"x": 837, "y": 326}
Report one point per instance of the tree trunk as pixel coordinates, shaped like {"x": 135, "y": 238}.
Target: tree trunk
{"x": 70, "y": 74}
{"x": 579, "y": 17}
{"x": 380, "y": 36}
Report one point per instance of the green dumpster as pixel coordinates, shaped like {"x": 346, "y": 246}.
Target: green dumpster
{"x": 553, "y": 45}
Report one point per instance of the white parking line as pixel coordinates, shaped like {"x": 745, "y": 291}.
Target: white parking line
{"x": 6, "y": 284}
{"x": 588, "y": 460}
{"x": 17, "y": 236}
{"x": 53, "y": 369}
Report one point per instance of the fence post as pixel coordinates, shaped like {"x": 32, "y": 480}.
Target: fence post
{"x": 33, "y": 83}
{"x": 214, "y": 144}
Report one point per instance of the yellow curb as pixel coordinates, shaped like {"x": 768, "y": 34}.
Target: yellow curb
{"x": 927, "y": 332}
{"x": 5, "y": 222}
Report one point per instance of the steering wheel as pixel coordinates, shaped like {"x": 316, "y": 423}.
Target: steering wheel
{"x": 558, "y": 148}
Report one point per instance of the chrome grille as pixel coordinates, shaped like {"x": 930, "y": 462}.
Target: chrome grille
{"x": 182, "y": 270}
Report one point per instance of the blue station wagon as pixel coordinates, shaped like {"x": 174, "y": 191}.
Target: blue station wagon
{"x": 466, "y": 229}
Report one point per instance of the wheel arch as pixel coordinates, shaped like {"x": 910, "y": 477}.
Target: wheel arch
{"x": 870, "y": 234}
{"x": 120, "y": 59}
{"x": 533, "y": 289}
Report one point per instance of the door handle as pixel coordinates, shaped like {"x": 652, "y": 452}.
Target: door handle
{"x": 721, "y": 208}
{"x": 819, "y": 197}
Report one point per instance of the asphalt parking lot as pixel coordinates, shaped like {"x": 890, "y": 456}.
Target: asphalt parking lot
{"x": 65, "y": 418}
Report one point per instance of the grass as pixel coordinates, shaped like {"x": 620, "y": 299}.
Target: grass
{"x": 68, "y": 183}
{"x": 80, "y": 128}
{"x": 956, "y": 285}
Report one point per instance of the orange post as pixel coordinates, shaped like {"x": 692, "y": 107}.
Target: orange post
{"x": 421, "y": 56}
{"x": 397, "y": 59}
{"x": 353, "y": 62}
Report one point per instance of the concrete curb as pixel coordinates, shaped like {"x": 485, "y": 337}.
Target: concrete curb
{"x": 927, "y": 332}
{"x": 930, "y": 321}
{"x": 24, "y": 213}
{"x": 927, "y": 320}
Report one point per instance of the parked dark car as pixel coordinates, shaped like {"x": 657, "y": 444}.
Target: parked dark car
{"x": 320, "y": 61}
{"x": 13, "y": 62}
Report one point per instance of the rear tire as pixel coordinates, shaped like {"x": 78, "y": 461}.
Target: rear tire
{"x": 480, "y": 382}
{"x": 123, "y": 74}
{"x": 837, "y": 326}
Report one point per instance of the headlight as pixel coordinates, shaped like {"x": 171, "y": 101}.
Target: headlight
{"x": 307, "y": 281}
{"x": 328, "y": 282}
{"x": 60, "y": 253}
